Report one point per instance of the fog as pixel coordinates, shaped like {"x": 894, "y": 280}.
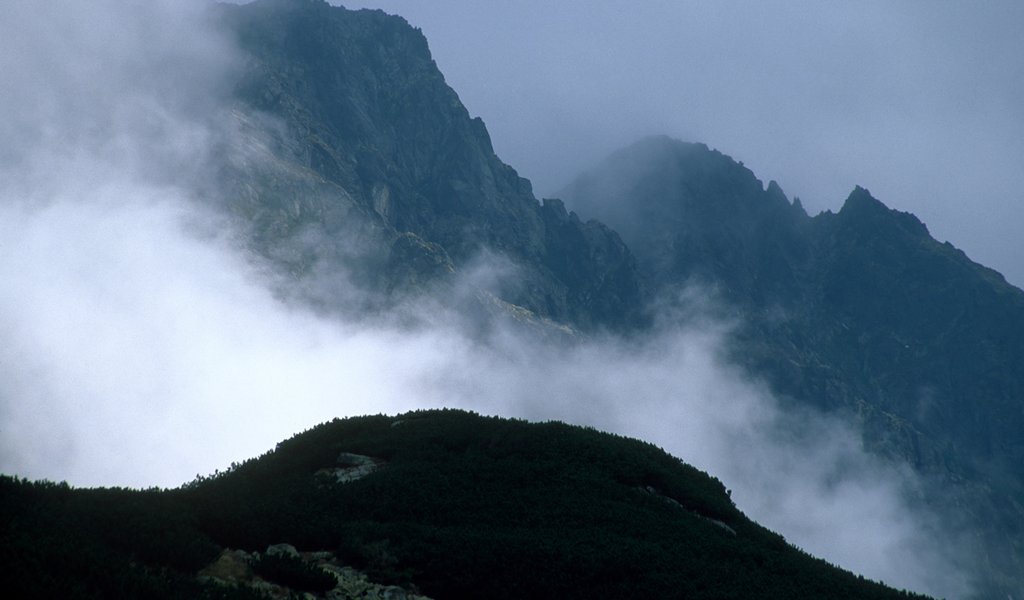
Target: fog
{"x": 920, "y": 102}
{"x": 139, "y": 354}
{"x": 143, "y": 345}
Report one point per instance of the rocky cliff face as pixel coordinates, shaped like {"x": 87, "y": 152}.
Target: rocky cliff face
{"x": 399, "y": 170}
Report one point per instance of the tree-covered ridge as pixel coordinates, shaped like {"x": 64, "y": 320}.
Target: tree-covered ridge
{"x": 461, "y": 506}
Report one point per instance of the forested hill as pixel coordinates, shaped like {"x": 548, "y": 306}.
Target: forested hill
{"x": 447, "y": 504}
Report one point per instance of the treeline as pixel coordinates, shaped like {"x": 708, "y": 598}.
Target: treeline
{"x": 59, "y": 542}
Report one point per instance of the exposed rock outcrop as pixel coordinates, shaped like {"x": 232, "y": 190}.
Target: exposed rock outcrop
{"x": 234, "y": 568}
{"x": 351, "y": 467}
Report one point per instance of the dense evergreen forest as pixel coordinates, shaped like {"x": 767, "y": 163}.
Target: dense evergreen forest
{"x": 456, "y": 506}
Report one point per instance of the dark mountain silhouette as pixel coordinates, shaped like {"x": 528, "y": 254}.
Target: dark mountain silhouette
{"x": 446, "y": 503}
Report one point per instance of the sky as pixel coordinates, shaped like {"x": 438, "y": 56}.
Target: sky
{"x": 922, "y": 103}
{"x": 142, "y": 346}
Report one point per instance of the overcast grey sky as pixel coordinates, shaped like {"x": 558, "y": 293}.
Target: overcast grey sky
{"x": 922, "y": 103}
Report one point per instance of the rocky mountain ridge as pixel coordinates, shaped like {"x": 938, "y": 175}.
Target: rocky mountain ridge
{"x": 407, "y": 176}
{"x": 860, "y": 313}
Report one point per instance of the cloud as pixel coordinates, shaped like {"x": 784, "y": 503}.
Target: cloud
{"x": 107, "y": 89}
{"x": 142, "y": 346}
{"x": 138, "y": 354}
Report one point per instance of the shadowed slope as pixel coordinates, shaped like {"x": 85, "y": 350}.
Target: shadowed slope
{"x": 458, "y": 505}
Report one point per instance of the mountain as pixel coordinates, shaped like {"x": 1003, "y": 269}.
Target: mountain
{"x": 860, "y": 312}
{"x": 356, "y": 160}
{"x": 442, "y": 503}
{"x": 355, "y": 171}
{"x": 358, "y": 113}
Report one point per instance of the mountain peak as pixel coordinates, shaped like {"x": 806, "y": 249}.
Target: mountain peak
{"x": 691, "y": 212}
{"x": 364, "y": 108}
{"x": 863, "y": 208}
{"x": 695, "y": 157}
{"x": 861, "y": 198}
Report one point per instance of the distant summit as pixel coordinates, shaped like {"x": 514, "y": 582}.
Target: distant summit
{"x": 863, "y": 210}
{"x": 690, "y": 213}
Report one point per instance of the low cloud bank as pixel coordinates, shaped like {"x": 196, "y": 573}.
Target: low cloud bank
{"x": 139, "y": 353}
{"x": 143, "y": 347}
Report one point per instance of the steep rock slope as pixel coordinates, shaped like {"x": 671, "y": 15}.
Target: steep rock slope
{"x": 456, "y": 506}
{"x": 860, "y": 312}
{"x": 352, "y": 103}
